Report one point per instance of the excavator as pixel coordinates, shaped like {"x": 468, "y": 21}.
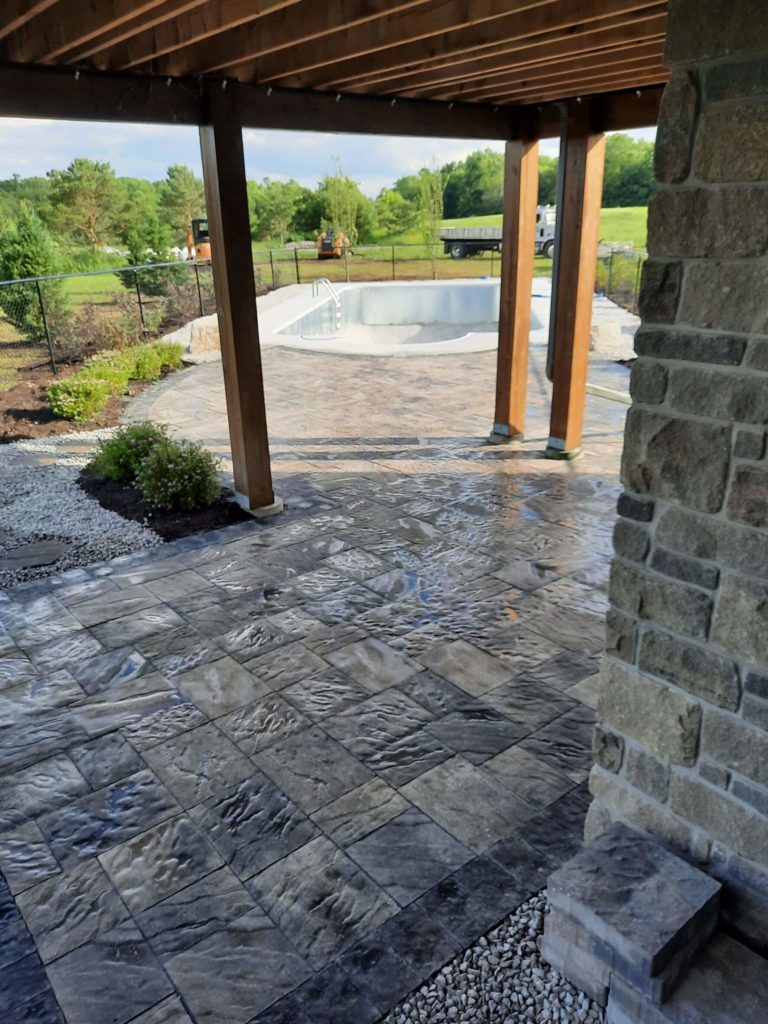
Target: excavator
{"x": 331, "y": 244}
{"x": 198, "y": 239}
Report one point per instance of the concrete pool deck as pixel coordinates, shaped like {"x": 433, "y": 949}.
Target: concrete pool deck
{"x": 229, "y": 743}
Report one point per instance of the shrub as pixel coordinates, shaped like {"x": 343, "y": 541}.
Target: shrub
{"x": 77, "y": 399}
{"x": 178, "y": 475}
{"x": 108, "y": 373}
{"x": 120, "y": 456}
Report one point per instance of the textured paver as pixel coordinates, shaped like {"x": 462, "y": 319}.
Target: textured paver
{"x": 297, "y": 765}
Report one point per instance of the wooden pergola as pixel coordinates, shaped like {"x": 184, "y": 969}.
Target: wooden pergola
{"x": 511, "y": 70}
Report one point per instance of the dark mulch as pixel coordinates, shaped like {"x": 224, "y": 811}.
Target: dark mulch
{"x": 25, "y": 413}
{"x": 129, "y": 504}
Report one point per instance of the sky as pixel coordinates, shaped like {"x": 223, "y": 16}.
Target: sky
{"x": 33, "y": 147}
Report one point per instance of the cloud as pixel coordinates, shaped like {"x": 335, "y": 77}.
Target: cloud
{"x": 34, "y": 146}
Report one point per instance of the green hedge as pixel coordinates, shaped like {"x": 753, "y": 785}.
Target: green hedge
{"x": 83, "y": 395}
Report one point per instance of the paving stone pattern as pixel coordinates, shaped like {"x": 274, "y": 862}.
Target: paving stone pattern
{"x": 285, "y": 771}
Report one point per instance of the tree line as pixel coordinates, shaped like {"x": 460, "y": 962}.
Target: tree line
{"x": 87, "y": 216}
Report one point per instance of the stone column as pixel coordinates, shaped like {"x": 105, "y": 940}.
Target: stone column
{"x": 682, "y": 746}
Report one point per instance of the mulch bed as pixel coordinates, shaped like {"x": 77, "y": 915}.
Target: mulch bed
{"x": 129, "y": 504}
{"x": 25, "y": 413}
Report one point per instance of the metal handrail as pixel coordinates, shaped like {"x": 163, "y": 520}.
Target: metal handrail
{"x": 333, "y": 293}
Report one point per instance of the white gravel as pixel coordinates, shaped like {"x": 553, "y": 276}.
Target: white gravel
{"x": 500, "y": 980}
{"x": 40, "y": 501}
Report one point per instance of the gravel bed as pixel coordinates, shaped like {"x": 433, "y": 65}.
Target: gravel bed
{"x": 41, "y": 502}
{"x": 500, "y": 980}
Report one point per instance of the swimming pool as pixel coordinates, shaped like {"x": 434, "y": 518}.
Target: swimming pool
{"x": 405, "y": 318}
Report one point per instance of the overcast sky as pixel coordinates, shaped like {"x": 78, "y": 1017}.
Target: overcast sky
{"x": 32, "y": 147}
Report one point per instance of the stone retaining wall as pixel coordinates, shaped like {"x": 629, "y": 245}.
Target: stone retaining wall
{"x": 682, "y": 748}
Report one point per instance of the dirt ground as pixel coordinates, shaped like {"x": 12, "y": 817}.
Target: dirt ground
{"x": 128, "y": 503}
{"x": 25, "y": 413}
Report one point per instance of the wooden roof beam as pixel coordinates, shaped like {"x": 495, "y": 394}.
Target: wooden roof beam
{"x": 280, "y": 33}
{"x": 596, "y": 64}
{"x": 208, "y": 19}
{"x": 136, "y": 26}
{"x": 49, "y": 35}
{"x": 16, "y": 13}
{"x": 406, "y": 28}
{"x": 102, "y": 96}
{"x": 326, "y": 62}
{"x": 575, "y": 88}
{"x": 548, "y": 48}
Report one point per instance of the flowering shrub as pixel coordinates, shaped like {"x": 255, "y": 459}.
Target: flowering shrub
{"x": 178, "y": 475}
{"x": 120, "y": 457}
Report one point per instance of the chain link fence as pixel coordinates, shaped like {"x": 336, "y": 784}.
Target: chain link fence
{"x": 49, "y": 321}
{"x": 619, "y": 269}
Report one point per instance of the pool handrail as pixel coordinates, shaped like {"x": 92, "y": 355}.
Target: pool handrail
{"x": 333, "y": 293}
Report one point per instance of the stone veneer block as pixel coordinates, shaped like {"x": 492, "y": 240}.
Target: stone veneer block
{"x": 656, "y": 716}
{"x": 640, "y": 904}
{"x": 728, "y": 984}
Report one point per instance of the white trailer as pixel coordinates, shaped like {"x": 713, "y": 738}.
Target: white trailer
{"x": 461, "y": 242}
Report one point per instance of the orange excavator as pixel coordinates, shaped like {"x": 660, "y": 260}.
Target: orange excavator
{"x": 331, "y": 244}
{"x": 198, "y": 239}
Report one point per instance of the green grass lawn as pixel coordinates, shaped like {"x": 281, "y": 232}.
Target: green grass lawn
{"x": 96, "y": 288}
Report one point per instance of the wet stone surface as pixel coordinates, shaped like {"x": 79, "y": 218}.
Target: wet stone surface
{"x": 286, "y": 772}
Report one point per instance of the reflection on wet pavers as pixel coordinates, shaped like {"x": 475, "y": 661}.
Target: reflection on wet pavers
{"x": 285, "y": 771}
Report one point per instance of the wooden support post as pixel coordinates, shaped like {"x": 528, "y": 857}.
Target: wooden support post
{"x": 521, "y": 183}
{"x": 580, "y": 190}
{"x": 221, "y": 144}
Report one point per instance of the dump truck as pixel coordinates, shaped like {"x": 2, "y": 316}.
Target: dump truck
{"x": 461, "y": 242}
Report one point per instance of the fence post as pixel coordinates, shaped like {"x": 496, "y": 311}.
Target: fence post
{"x": 346, "y": 262}
{"x": 296, "y": 261}
{"x": 199, "y": 293}
{"x": 272, "y": 268}
{"x": 393, "y": 263}
{"x": 46, "y": 327}
{"x": 141, "y": 305}
{"x": 492, "y": 255}
{"x": 637, "y": 283}
{"x": 433, "y": 258}
{"x": 609, "y": 289}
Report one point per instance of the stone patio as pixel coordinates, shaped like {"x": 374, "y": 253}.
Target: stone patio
{"x": 283, "y": 772}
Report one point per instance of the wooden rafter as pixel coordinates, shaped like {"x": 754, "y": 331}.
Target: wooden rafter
{"x": 584, "y": 86}
{"x": 112, "y": 38}
{"x": 629, "y": 58}
{"x": 197, "y": 29}
{"x": 279, "y": 33}
{"x": 549, "y": 48}
{"x": 16, "y": 13}
{"x": 50, "y": 33}
{"x": 350, "y": 55}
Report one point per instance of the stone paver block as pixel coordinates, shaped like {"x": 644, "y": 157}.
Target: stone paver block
{"x": 638, "y": 902}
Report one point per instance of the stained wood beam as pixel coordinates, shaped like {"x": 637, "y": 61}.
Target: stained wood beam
{"x": 330, "y": 61}
{"x": 280, "y": 32}
{"x": 94, "y": 50}
{"x": 521, "y": 183}
{"x": 16, "y": 13}
{"x": 221, "y": 145}
{"x": 580, "y": 189}
{"x": 101, "y": 96}
{"x": 595, "y": 64}
{"x": 197, "y": 30}
{"x": 575, "y": 90}
{"x": 544, "y": 48}
{"x": 49, "y": 35}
